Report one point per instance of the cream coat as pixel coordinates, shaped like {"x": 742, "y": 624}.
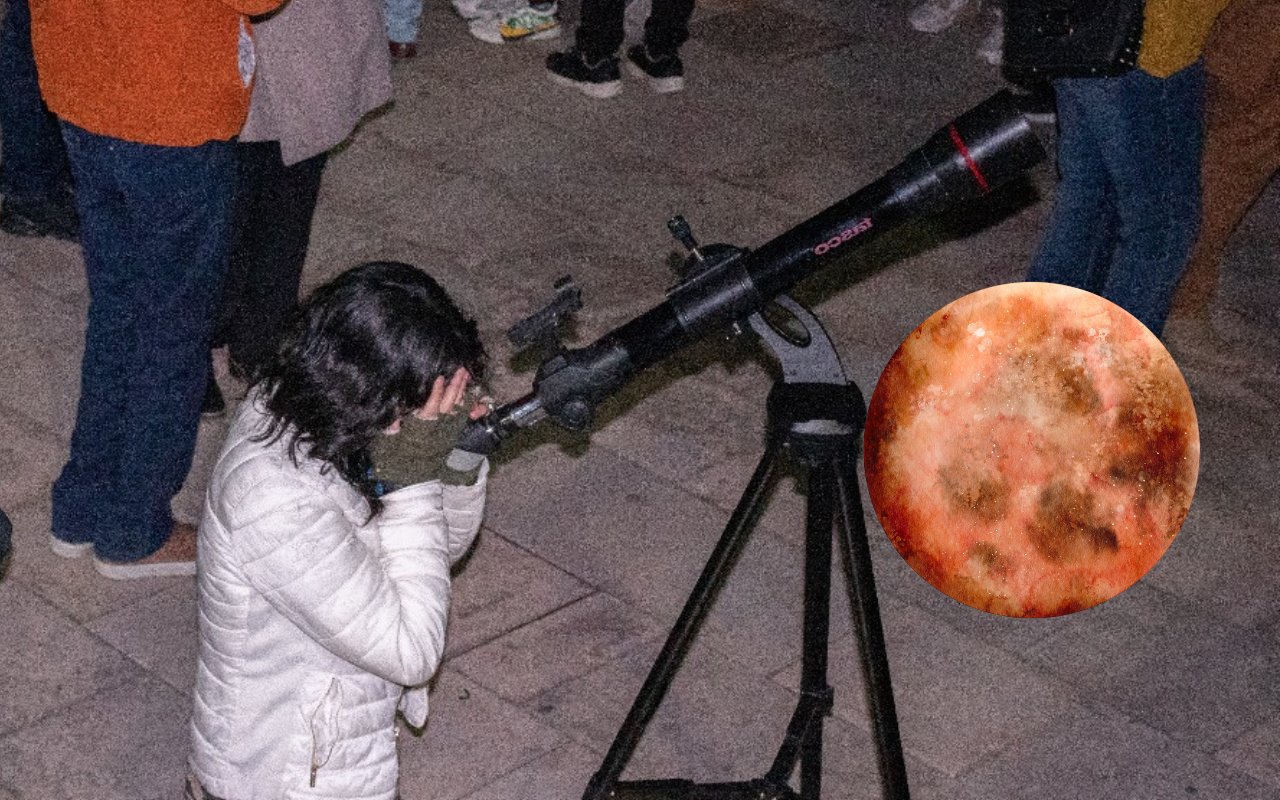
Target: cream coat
{"x": 321, "y": 66}
{"x": 312, "y": 621}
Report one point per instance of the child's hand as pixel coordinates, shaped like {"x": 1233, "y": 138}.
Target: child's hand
{"x": 418, "y": 448}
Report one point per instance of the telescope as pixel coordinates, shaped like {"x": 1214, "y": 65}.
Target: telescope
{"x": 721, "y": 285}
{"x": 815, "y": 417}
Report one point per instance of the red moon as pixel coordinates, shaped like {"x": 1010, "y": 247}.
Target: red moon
{"x": 1031, "y": 450}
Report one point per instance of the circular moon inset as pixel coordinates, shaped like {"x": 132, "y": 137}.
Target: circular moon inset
{"x": 1031, "y": 450}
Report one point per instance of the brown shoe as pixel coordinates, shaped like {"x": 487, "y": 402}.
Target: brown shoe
{"x": 403, "y": 49}
{"x": 176, "y": 557}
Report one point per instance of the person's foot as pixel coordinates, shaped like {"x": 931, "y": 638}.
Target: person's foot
{"x": 529, "y": 21}
{"x": 403, "y": 49}
{"x": 49, "y": 218}
{"x": 599, "y": 79}
{"x": 68, "y": 549}
{"x": 663, "y": 71}
{"x": 935, "y": 16}
{"x": 484, "y": 9}
{"x": 992, "y": 48}
{"x": 176, "y": 557}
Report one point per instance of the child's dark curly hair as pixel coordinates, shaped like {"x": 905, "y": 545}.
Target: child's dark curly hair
{"x": 359, "y": 353}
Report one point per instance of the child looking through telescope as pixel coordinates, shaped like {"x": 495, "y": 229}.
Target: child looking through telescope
{"x": 334, "y": 513}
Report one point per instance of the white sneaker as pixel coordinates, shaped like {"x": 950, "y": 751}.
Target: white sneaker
{"x": 935, "y": 16}
{"x": 523, "y": 22}
{"x": 992, "y": 48}
{"x": 484, "y": 9}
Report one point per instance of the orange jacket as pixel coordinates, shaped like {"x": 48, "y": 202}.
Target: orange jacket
{"x": 162, "y": 72}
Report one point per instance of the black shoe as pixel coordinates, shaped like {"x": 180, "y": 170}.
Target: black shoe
{"x": 213, "y": 405}
{"x": 600, "y": 79}
{"x": 47, "y": 218}
{"x": 664, "y": 72}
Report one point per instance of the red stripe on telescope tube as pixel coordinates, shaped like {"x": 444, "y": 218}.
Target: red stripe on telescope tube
{"x": 968, "y": 159}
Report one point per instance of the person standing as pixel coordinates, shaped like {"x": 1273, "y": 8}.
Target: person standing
{"x": 1242, "y": 138}
{"x": 1127, "y": 203}
{"x": 34, "y": 176}
{"x": 149, "y": 94}
{"x": 321, "y": 66}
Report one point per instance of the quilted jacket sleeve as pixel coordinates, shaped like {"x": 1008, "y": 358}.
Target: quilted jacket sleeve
{"x": 384, "y": 612}
{"x": 463, "y": 512}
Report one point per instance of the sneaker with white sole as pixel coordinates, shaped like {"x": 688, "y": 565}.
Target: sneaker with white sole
{"x": 175, "y": 558}
{"x": 664, "y": 72}
{"x": 935, "y": 16}
{"x": 530, "y": 21}
{"x": 69, "y": 549}
{"x": 600, "y": 79}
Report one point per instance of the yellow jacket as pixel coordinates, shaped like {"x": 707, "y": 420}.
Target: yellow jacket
{"x": 1174, "y": 32}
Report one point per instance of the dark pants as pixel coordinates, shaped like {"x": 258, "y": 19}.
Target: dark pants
{"x": 1125, "y": 212}
{"x": 274, "y": 205}
{"x": 600, "y": 27}
{"x": 155, "y": 232}
{"x": 33, "y": 162}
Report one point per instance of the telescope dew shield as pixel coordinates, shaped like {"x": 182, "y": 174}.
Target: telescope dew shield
{"x": 969, "y": 157}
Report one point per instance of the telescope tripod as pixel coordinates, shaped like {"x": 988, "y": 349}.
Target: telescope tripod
{"x": 815, "y": 420}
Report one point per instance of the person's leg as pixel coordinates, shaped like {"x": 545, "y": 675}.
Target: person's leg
{"x": 1152, "y": 152}
{"x": 600, "y": 29}
{"x": 1241, "y": 153}
{"x": 1242, "y": 138}
{"x": 152, "y": 290}
{"x": 83, "y": 489}
{"x": 403, "y": 19}
{"x": 1079, "y": 236}
{"x": 667, "y": 26}
{"x": 33, "y": 162}
{"x": 275, "y": 206}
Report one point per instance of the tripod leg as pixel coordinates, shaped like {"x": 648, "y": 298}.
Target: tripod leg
{"x": 817, "y": 618}
{"x": 856, "y": 555}
{"x": 686, "y": 627}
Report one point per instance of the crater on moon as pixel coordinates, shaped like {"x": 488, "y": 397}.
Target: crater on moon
{"x": 1031, "y": 450}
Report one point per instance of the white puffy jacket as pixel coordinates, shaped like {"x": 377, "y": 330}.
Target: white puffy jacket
{"x": 312, "y": 621}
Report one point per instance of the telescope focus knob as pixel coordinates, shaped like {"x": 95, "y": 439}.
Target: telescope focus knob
{"x": 575, "y": 415}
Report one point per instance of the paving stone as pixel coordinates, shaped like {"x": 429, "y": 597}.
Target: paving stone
{"x": 946, "y": 686}
{"x": 127, "y": 742}
{"x": 556, "y": 648}
{"x": 30, "y": 460}
{"x": 1257, "y": 753}
{"x": 159, "y": 633}
{"x": 502, "y": 588}
{"x": 71, "y": 585}
{"x": 47, "y": 661}
{"x": 1105, "y": 757}
{"x": 563, "y": 772}
{"x": 472, "y": 738}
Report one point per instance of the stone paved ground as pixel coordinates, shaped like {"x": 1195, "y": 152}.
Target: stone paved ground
{"x": 499, "y": 183}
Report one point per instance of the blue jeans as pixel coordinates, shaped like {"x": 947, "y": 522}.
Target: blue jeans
{"x": 403, "y": 17}
{"x": 1127, "y": 206}
{"x": 31, "y": 151}
{"x": 155, "y": 228}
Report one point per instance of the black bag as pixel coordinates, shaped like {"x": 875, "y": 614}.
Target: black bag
{"x": 1046, "y": 39}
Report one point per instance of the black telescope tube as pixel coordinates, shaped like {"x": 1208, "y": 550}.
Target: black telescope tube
{"x": 966, "y": 159}
{"x": 985, "y": 147}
